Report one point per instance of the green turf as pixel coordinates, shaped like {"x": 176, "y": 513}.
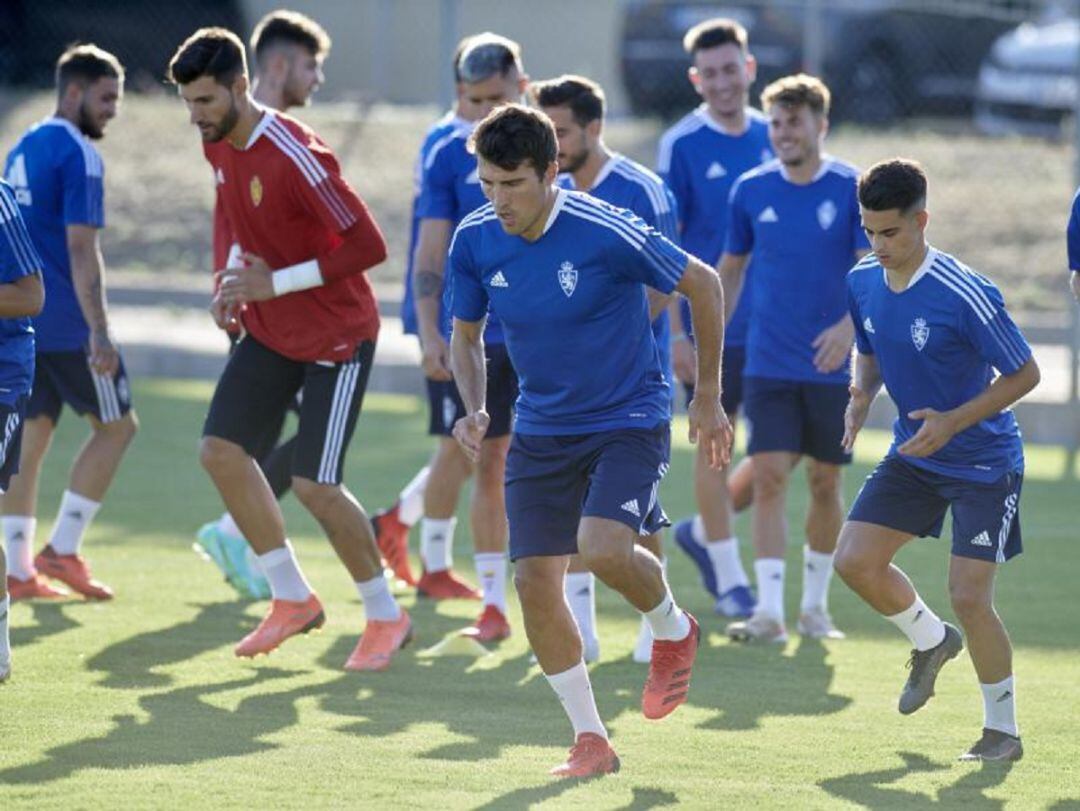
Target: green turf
{"x": 141, "y": 704}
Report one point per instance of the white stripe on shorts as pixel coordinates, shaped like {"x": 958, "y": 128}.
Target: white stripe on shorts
{"x": 108, "y": 401}
{"x": 344, "y": 390}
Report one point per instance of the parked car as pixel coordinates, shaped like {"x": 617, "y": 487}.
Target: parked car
{"x": 883, "y": 59}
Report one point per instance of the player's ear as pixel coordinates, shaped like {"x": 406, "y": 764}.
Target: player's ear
{"x": 695, "y": 79}
{"x": 751, "y": 68}
{"x": 240, "y": 85}
{"x": 551, "y": 172}
{"x": 523, "y": 83}
{"x": 593, "y": 129}
{"x": 922, "y": 218}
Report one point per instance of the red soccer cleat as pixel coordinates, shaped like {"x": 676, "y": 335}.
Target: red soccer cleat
{"x": 286, "y": 618}
{"x": 381, "y": 640}
{"x": 590, "y": 756}
{"x": 36, "y": 588}
{"x": 669, "y": 673}
{"x": 491, "y": 626}
{"x": 445, "y": 585}
{"x": 392, "y": 538}
{"x": 74, "y": 571}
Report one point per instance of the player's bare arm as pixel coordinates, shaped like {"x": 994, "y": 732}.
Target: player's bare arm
{"x": 864, "y": 388}
{"x": 708, "y": 422}
{"x": 834, "y": 343}
{"x": 22, "y": 297}
{"x": 470, "y": 372}
{"x": 431, "y": 246}
{"x": 732, "y": 271}
{"x": 1074, "y": 283}
{"x": 939, "y": 427}
{"x": 251, "y": 280}
{"x": 683, "y": 360}
{"x": 88, "y": 278}
{"x": 658, "y": 302}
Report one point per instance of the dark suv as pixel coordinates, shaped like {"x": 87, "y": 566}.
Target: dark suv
{"x": 882, "y": 59}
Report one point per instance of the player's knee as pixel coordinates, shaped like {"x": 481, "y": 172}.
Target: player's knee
{"x": 970, "y": 602}
{"x": 824, "y": 482}
{"x": 851, "y": 566}
{"x": 603, "y": 556}
{"x": 120, "y": 431}
{"x": 315, "y": 496}
{"x": 770, "y": 481}
{"x": 534, "y": 590}
{"x": 217, "y": 455}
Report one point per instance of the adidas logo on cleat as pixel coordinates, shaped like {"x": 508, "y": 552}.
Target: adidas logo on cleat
{"x": 982, "y": 539}
{"x": 632, "y": 507}
{"x": 498, "y": 280}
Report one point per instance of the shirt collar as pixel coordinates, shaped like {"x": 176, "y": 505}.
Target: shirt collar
{"x": 260, "y": 128}
{"x": 560, "y": 198}
{"x": 703, "y": 113}
{"x": 924, "y": 268}
{"x": 826, "y": 164}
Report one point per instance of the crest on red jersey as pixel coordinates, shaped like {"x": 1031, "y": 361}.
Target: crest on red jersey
{"x": 256, "y": 191}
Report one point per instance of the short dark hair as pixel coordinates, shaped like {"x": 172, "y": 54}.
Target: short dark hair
{"x": 290, "y": 28}
{"x": 86, "y": 63}
{"x": 798, "y": 90}
{"x": 584, "y": 97}
{"x": 459, "y": 51}
{"x": 486, "y": 55}
{"x": 214, "y": 52}
{"x": 714, "y": 33}
{"x": 512, "y": 134}
{"x": 896, "y": 183}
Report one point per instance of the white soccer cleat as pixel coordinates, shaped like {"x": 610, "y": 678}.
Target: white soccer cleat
{"x": 817, "y": 624}
{"x": 759, "y": 628}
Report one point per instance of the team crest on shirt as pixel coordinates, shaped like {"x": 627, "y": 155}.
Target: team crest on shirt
{"x": 567, "y": 278}
{"x": 256, "y": 191}
{"x": 826, "y": 214}
{"x": 920, "y": 333}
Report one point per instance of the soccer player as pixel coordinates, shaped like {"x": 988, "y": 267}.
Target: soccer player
{"x": 700, "y": 157}
{"x": 575, "y": 106}
{"x": 21, "y": 296}
{"x": 289, "y": 49}
{"x": 798, "y": 217}
{"x": 311, "y": 322}
{"x": 58, "y": 178}
{"x": 933, "y": 331}
{"x": 1073, "y": 243}
{"x": 566, "y": 274}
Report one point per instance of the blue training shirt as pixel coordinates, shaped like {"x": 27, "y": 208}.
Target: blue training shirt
{"x": 937, "y": 344}
{"x": 1072, "y": 234}
{"x": 700, "y": 163}
{"x": 58, "y": 176}
{"x": 803, "y": 239}
{"x": 574, "y": 312}
{"x": 450, "y": 190}
{"x": 18, "y": 258}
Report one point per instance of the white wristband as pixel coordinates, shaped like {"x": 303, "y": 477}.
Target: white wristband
{"x": 296, "y": 277}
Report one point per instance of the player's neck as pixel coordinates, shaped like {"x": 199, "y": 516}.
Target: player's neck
{"x": 900, "y": 277}
{"x": 802, "y": 174}
{"x": 250, "y": 115}
{"x": 267, "y": 96}
{"x": 537, "y": 227}
{"x": 585, "y": 177}
{"x": 730, "y": 123}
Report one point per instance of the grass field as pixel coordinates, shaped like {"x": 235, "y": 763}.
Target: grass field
{"x": 141, "y": 704}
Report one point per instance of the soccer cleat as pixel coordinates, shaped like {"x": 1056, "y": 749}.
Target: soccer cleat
{"x": 36, "y": 588}
{"x": 490, "y": 626}
{"x": 392, "y": 538}
{"x": 925, "y": 666}
{"x": 286, "y": 618}
{"x": 245, "y": 577}
{"x": 668, "y": 682}
{"x": 590, "y": 756}
{"x": 759, "y": 628}
{"x": 445, "y": 585}
{"x": 738, "y": 602}
{"x": 684, "y": 537}
{"x": 73, "y": 571}
{"x": 817, "y": 624}
{"x": 380, "y": 641}
{"x": 643, "y": 647}
{"x": 996, "y": 747}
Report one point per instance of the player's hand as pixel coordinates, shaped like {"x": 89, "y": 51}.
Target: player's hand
{"x": 435, "y": 358}
{"x": 1074, "y": 283}
{"x": 469, "y": 431}
{"x": 104, "y": 357}
{"x": 935, "y": 432}
{"x": 252, "y": 282}
{"x": 684, "y": 361}
{"x": 224, "y": 315}
{"x": 858, "y": 408}
{"x": 833, "y": 346}
{"x": 709, "y": 426}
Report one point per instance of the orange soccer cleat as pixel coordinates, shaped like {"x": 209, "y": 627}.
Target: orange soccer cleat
{"x": 35, "y": 588}
{"x": 286, "y": 618}
{"x": 392, "y": 538}
{"x": 73, "y": 571}
{"x": 669, "y": 673}
{"x": 490, "y": 626}
{"x": 381, "y": 640}
{"x": 590, "y": 756}
{"x": 445, "y": 585}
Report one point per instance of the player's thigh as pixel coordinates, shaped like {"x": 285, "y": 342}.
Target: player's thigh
{"x": 986, "y": 518}
{"x": 731, "y": 380}
{"x": 12, "y": 421}
{"x": 822, "y": 414}
{"x": 332, "y": 397}
{"x": 607, "y": 540}
{"x": 901, "y": 497}
{"x": 106, "y": 398}
{"x": 625, "y": 471}
{"x": 772, "y": 411}
{"x": 502, "y": 391}
{"x": 867, "y": 547}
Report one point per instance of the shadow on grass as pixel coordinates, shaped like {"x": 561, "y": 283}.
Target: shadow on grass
{"x": 874, "y": 790}
{"x": 50, "y": 619}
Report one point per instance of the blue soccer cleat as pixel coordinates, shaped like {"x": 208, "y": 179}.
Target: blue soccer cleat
{"x": 684, "y": 537}
{"x": 737, "y": 602}
{"x": 245, "y": 577}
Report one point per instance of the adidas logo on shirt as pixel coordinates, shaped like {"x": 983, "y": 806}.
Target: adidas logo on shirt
{"x": 868, "y": 325}
{"x": 632, "y": 507}
{"x": 498, "y": 280}
{"x": 768, "y": 215}
{"x": 715, "y": 170}
{"x": 982, "y": 539}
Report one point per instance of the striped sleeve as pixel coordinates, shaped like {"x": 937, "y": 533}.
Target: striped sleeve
{"x": 318, "y": 181}
{"x": 82, "y": 175}
{"x": 18, "y": 256}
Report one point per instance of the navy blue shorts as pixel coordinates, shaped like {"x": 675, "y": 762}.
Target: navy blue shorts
{"x": 67, "y": 377}
{"x": 552, "y": 481}
{"x": 986, "y": 517}
{"x": 12, "y": 416}
{"x": 446, "y": 408}
{"x": 731, "y": 380}
{"x": 796, "y": 417}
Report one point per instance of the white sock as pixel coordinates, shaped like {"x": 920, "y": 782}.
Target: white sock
{"x": 72, "y": 519}
{"x": 643, "y": 646}
{"x": 19, "y": 542}
{"x": 227, "y": 526}
{"x": 580, "y": 588}
{"x": 667, "y": 620}
{"x": 287, "y": 582}
{"x": 999, "y": 707}
{"x": 575, "y": 692}
{"x": 5, "y": 638}
{"x": 379, "y": 604}
{"x": 437, "y": 543}
{"x": 411, "y": 498}
{"x": 697, "y": 529}
{"x": 770, "y": 585}
{"x": 921, "y": 625}
{"x": 817, "y": 574}
{"x": 726, "y": 563}
{"x": 491, "y": 571}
